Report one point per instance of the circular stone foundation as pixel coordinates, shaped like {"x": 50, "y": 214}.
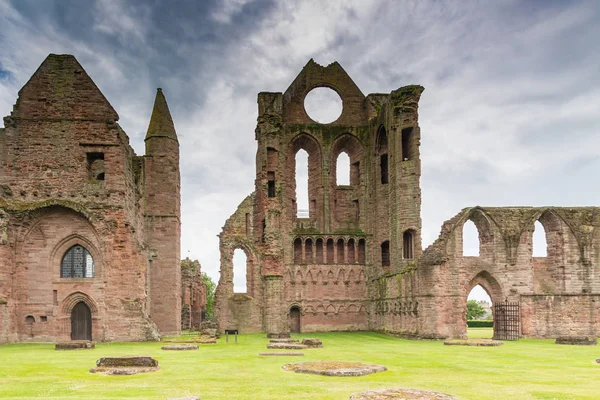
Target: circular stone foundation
{"x": 400, "y": 393}
{"x": 334, "y": 368}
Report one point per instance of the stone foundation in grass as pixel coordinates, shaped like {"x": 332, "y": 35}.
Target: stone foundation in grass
{"x": 577, "y": 340}
{"x": 287, "y": 346}
{"x": 284, "y": 341}
{"x": 75, "y": 345}
{"x": 278, "y": 335}
{"x": 186, "y": 398}
{"x": 180, "y": 347}
{"x": 334, "y": 368}
{"x": 473, "y": 342}
{"x": 280, "y": 354}
{"x": 125, "y": 365}
{"x": 312, "y": 342}
{"x": 400, "y": 394}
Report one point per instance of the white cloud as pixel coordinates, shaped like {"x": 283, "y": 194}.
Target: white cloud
{"x": 509, "y": 115}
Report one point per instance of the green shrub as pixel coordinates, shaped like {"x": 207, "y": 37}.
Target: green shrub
{"x": 476, "y": 323}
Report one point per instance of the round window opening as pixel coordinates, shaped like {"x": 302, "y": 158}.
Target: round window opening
{"x": 323, "y": 105}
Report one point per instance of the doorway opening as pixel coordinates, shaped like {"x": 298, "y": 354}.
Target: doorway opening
{"x": 81, "y": 322}
{"x": 479, "y": 313}
{"x": 295, "y": 319}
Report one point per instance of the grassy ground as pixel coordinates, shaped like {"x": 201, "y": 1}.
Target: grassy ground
{"x": 527, "y": 369}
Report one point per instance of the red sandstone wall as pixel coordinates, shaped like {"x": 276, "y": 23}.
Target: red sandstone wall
{"x": 51, "y": 194}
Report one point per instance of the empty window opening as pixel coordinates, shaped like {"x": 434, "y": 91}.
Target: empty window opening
{"x": 343, "y": 169}
{"x": 407, "y": 147}
{"x": 407, "y": 245}
{"x": 384, "y": 168}
{"x": 29, "y": 320}
{"x": 355, "y": 173}
{"x": 470, "y": 240}
{"x": 302, "y": 184}
{"x": 329, "y": 251}
{"x": 382, "y": 150}
{"x": 43, "y": 318}
{"x": 77, "y": 262}
{"x": 95, "y": 166}
{"x": 308, "y": 251}
{"x": 264, "y": 230}
{"x": 351, "y": 258}
{"x": 272, "y": 159}
{"x": 319, "y": 251}
{"x": 298, "y": 251}
{"x": 341, "y": 257}
{"x": 361, "y": 251}
{"x": 271, "y": 184}
{"x": 540, "y": 244}
{"x": 385, "y": 253}
{"x": 239, "y": 271}
{"x": 323, "y": 105}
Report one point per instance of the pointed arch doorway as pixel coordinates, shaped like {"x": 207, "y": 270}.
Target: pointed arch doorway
{"x": 295, "y": 319}
{"x": 81, "y": 322}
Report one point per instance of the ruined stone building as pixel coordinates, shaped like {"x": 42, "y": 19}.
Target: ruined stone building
{"x": 193, "y": 295}
{"x": 89, "y": 231}
{"x": 354, "y": 260}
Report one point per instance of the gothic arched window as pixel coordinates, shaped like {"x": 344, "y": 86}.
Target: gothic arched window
{"x": 77, "y": 263}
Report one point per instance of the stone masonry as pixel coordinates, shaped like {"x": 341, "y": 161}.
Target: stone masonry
{"x": 319, "y": 268}
{"x": 73, "y": 193}
{"x": 355, "y": 261}
{"x": 193, "y": 294}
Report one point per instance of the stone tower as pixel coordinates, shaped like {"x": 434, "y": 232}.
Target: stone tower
{"x": 162, "y": 213}
{"x": 315, "y": 268}
{"x": 89, "y": 231}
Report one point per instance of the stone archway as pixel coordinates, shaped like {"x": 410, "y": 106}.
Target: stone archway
{"x": 490, "y": 286}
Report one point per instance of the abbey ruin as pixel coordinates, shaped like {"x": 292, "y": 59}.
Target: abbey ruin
{"x": 89, "y": 231}
{"x": 355, "y": 260}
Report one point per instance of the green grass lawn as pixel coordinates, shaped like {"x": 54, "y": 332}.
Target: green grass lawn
{"x": 527, "y": 369}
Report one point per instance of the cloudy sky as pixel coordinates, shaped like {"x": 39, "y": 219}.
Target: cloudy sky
{"x": 510, "y": 114}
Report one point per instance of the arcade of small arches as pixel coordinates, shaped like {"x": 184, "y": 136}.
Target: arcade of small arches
{"x": 327, "y": 250}
{"x": 319, "y": 276}
{"x": 331, "y": 308}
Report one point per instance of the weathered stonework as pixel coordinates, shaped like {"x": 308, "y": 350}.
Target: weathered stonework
{"x": 313, "y": 273}
{"x": 68, "y": 177}
{"x": 353, "y": 260}
{"x": 193, "y": 295}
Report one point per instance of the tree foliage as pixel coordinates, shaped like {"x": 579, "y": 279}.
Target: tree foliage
{"x": 474, "y": 310}
{"x": 211, "y": 286}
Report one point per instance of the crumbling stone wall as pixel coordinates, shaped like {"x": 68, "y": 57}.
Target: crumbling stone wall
{"x": 324, "y": 264}
{"x": 557, "y": 293}
{"x": 355, "y": 261}
{"x": 69, "y": 176}
{"x": 193, "y": 294}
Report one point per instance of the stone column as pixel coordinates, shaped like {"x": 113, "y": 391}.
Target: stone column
{"x": 275, "y": 316}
